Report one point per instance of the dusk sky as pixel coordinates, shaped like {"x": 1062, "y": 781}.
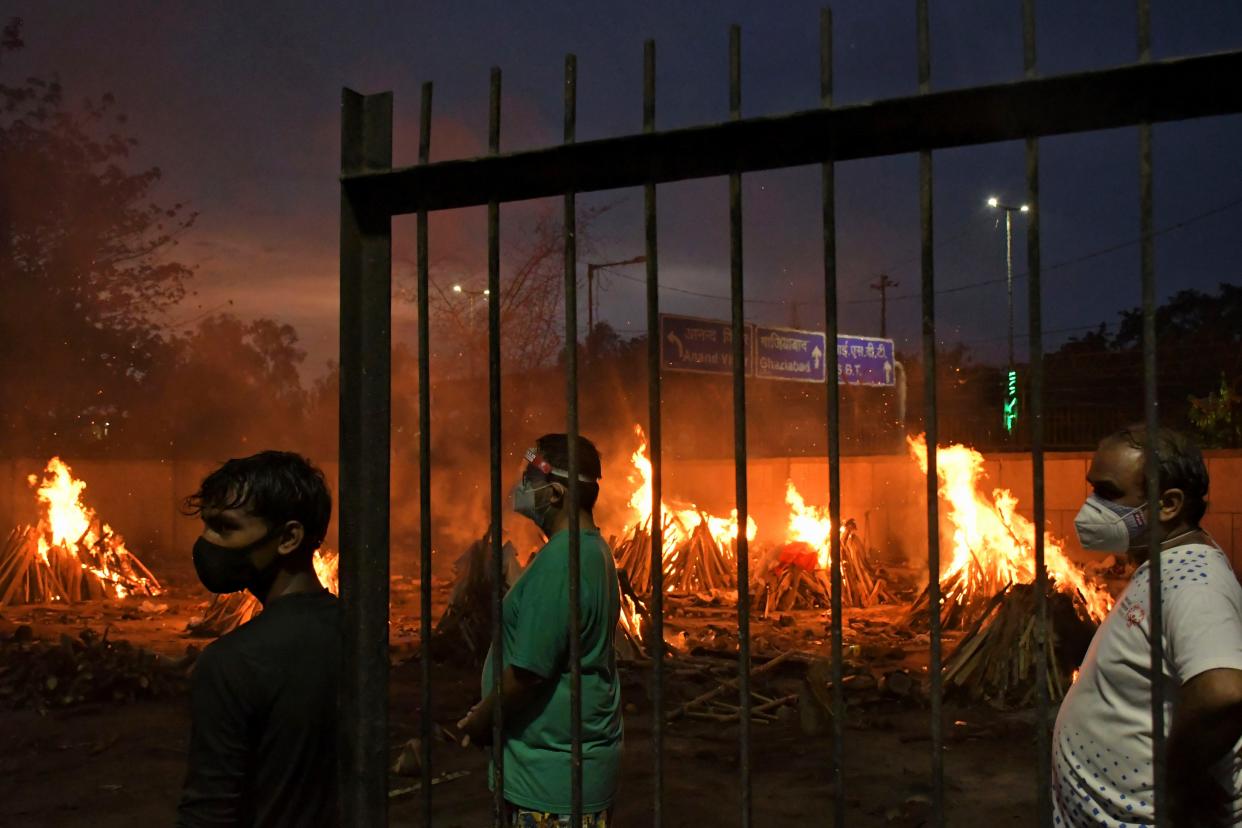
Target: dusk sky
{"x": 238, "y": 103}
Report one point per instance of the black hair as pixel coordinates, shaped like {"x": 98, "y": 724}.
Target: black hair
{"x": 1180, "y": 463}
{"x": 555, "y": 449}
{"x": 276, "y": 486}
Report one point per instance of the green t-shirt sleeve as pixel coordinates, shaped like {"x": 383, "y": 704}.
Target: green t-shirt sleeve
{"x": 541, "y": 634}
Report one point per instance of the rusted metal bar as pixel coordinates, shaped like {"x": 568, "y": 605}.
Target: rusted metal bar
{"x": 365, "y": 406}
{"x": 828, "y": 188}
{"x": 1035, "y": 404}
{"x": 497, "y": 483}
{"x": 739, "y": 434}
{"x": 571, "y": 429}
{"x": 654, "y": 441}
{"x": 1147, "y": 265}
{"x": 1166, "y": 90}
{"x": 424, "y": 458}
{"x": 929, "y": 395}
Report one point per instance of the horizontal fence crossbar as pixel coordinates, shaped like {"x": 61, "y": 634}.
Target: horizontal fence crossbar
{"x": 1175, "y": 89}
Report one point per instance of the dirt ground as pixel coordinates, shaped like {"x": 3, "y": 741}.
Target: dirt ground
{"x": 106, "y": 765}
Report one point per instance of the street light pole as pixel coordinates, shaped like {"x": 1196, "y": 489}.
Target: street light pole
{"x": 1009, "y": 276}
{"x": 882, "y": 285}
{"x": 473, "y": 296}
{"x": 1011, "y": 375}
{"x": 1009, "y": 209}
{"x": 592, "y": 267}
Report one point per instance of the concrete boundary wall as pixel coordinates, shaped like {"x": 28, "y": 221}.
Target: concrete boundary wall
{"x": 885, "y": 494}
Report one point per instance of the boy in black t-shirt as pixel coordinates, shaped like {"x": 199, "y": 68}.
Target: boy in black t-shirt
{"x": 264, "y": 697}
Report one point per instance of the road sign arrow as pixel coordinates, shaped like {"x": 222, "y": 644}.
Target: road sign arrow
{"x": 816, "y": 356}
{"x": 676, "y": 340}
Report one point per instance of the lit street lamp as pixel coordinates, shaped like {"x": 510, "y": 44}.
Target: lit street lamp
{"x": 995, "y": 203}
{"x": 474, "y": 296}
{"x": 1011, "y": 377}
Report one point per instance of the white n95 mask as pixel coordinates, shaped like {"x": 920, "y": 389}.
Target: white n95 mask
{"x": 1104, "y": 526}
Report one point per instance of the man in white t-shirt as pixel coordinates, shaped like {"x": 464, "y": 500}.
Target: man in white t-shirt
{"x": 1102, "y": 745}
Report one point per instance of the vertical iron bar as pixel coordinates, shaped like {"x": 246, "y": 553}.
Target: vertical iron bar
{"x": 1147, "y": 253}
{"x": 365, "y": 407}
{"x": 929, "y": 394}
{"x": 571, "y": 416}
{"x": 424, "y": 457}
{"x": 494, "y": 412}
{"x": 829, "y": 213}
{"x": 739, "y": 430}
{"x": 656, "y": 449}
{"x": 1043, "y": 742}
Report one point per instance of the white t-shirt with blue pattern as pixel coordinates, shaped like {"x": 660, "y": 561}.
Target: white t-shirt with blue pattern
{"x": 1102, "y": 745}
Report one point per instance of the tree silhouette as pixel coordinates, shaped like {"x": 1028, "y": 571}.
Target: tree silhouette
{"x": 85, "y": 264}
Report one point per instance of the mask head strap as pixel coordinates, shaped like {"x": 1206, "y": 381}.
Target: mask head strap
{"x": 538, "y": 461}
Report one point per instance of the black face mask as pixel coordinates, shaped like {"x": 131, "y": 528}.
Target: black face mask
{"x": 224, "y": 569}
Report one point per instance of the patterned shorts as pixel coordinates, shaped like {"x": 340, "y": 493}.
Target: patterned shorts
{"x": 523, "y": 818}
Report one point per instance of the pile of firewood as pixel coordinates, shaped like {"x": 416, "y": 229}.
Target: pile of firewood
{"x": 89, "y": 668}
{"x": 998, "y": 657}
{"x": 30, "y": 577}
{"x": 791, "y": 579}
{"x": 695, "y": 563}
{"x": 464, "y": 632}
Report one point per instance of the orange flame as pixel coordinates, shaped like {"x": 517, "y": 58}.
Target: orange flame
{"x": 680, "y": 523}
{"x": 993, "y": 545}
{"x": 326, "y": 569}
{"x": 73, "y": 527}
{"x": 809, "y": 524}
{"x": 631, "y": 619}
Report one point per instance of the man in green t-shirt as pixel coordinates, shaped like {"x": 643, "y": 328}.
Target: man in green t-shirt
{"x": 534, "y": 695}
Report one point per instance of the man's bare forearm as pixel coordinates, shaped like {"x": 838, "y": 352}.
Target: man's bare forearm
{"x": 517, "y": 691}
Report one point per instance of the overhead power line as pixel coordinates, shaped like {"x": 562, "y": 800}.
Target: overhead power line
{"x": 1103, "y": 251}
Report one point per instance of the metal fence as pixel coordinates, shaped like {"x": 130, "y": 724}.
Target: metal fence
{"x": 372, "y": 191}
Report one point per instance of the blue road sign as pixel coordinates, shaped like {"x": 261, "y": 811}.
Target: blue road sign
{"x": 790, "y": 354}
{"x": 704, "y": 346}
{"x": 865, "y": 360}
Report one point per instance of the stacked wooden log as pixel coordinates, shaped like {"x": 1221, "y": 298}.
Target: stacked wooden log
{"x": 694, "y": 563}
{"x": 464, "y": 632}
{"x": 792, "y": 579}
{"x": 30, "y": 577}
{"x": 713, "y": 706}
{"x": 224, "y": 614}
{"x": 998, "y": 658}
{"x": 634, "y": 625}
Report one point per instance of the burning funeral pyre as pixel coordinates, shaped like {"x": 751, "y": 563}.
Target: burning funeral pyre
{"x": 987, "y": 585}
{"x": 797, "y": 574}
{"x": 993, "y": 546}
{"x": 699, "y": 549}
{"x": 71, "y": 554}
{"x": 998, "y": 658}
{"x": 228, "y": 612}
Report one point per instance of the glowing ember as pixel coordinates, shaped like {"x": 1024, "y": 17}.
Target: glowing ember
{"x": 680, "y": 523}
{"x": 993, "y": 545}
{"x": 69, "y": 530}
